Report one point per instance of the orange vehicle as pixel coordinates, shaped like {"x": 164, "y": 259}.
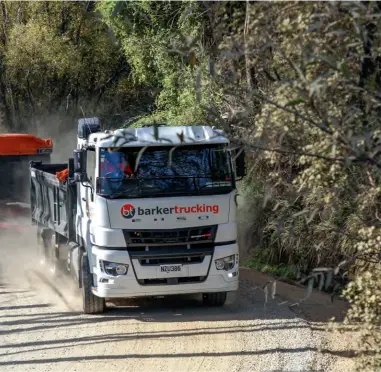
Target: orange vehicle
{"x": 16, "y": 151}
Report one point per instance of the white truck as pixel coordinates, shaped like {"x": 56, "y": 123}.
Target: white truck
{"x": 145, "y": 211}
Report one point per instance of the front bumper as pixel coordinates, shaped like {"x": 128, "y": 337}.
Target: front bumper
{"x": 127, "y": 285}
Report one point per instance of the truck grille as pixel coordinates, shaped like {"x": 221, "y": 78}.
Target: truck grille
{"x": 172, "y": 260}
{"x": 172, "y": 281}
{"x": 189, "y": 235}
{"x": 172, "y": 254}
{"x": 171, "y": 247}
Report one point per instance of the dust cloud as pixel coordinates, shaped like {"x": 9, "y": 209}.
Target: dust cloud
{"x": 63, "y": 132}
{"x": 20, "y": 264}
{"x": 249, "y": 225}
{"x": 18, "y": 239}
{"x": 21, "y": 267}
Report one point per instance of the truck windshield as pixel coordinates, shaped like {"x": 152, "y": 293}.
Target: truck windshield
{"x": 166, "y": 171}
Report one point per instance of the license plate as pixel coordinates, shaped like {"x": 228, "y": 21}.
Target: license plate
{"x": 170, "y": 269}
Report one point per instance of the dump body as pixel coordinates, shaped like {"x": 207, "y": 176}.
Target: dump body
{"x": 52, "y": 202}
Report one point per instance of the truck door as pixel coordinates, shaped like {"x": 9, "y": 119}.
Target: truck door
{"x": 86, "y": 197}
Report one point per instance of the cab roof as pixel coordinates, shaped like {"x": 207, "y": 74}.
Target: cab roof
{"x": 24, "y": 144}
{"x": 166, "y": 136}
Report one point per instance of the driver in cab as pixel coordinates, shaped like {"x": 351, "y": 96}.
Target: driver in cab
{"x": 115, "y": 165}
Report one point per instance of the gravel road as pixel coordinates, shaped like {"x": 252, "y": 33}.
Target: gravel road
{"x": 42, "y": 329}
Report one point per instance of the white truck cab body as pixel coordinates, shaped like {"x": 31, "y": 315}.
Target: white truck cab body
{"x": 167, "y": 226}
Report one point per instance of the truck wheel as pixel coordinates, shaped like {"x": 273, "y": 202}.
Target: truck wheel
{"x": 91, "y": 304}
{"x": 214, "y": 299}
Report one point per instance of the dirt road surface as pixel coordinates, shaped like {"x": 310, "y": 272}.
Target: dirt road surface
{"x": 42, "y": 328}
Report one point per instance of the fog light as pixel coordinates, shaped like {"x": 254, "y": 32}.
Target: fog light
{"x": 113, "y": 268}
{"x": 220, "y": 264}
{"x": 226, "y": 263}
{"x": 121, "y": 270}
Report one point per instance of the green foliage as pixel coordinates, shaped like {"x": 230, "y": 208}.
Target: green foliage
{"x": 58, "y": 58}
{"x": 258, "y": 263}
{"x": 364, "y": 295}
{"x": 162, "y": 41}
{"x": 317, "y": 118}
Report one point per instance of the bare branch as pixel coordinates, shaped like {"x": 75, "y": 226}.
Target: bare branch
{"x": 253, "y": 147}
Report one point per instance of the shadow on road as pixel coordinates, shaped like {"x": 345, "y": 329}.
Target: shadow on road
{"x": 169, "y": 309}
{"x": 177, "y": 355}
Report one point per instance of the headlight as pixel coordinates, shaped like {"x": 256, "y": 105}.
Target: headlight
{"x": 226, "y": 263}
{"x": 113, "y": 268}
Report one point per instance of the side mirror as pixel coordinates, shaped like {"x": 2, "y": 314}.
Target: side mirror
{"x": 80, "y": 166}
{"x": 240, "y": 164}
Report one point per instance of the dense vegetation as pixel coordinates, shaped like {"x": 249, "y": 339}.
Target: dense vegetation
{"x": 296, "y": 84}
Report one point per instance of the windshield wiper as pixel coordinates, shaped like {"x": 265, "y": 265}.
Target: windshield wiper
{"x": 215, "y": 184}
{"x": 122, "y": 193}
{"x": 142, "y": 191}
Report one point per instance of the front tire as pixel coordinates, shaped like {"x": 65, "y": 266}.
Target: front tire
{"x": 91, "y": 304}
{"x": 215, "y": 299}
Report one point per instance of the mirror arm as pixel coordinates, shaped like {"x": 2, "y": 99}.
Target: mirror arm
{"x": 91, "y": 189}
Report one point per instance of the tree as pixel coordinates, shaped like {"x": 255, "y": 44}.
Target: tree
{"x": 58, "y": 59}
{"x": 164, "y": 42}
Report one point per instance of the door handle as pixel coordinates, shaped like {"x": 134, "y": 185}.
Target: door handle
{"x": 84, "y": 199}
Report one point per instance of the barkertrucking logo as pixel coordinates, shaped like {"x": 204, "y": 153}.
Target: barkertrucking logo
{"x": 129, "y": 211}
